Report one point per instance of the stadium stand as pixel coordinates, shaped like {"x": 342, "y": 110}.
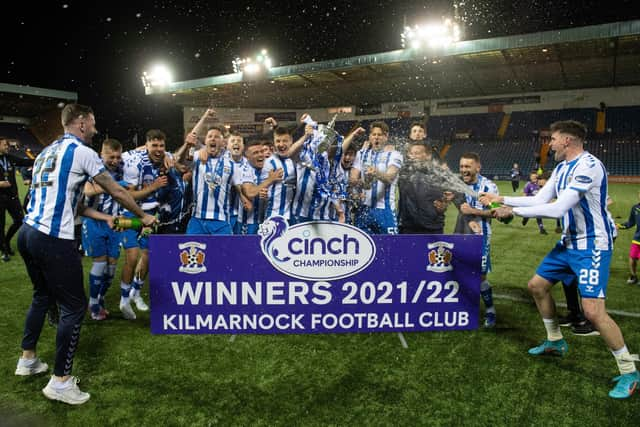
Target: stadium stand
{"x": 31, "y": 115}
{"x": 623, "y": 120}
{"x": 618, "y": 153}
{"x": 473, "y": 126}
{"x": 22, "y": 134}
{"x": 525, "y": 123}
{"x": 496, "y": 79}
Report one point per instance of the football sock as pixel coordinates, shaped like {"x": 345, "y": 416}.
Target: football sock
{"x": 487, "y": 296}
{"x": 125, "y": 288}
{"x": 95, "y": 278}
{"x": 625, "y": 361}
{"x": 553, "y": 329}
{"x": 137, "y": 285}
{"x": 107, "y": 278}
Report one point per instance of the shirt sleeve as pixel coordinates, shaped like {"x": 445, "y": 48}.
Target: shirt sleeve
{"x": 557, "y": 209}
{"x": 492, "y": 188}
{"x": 585, "y": 176}
{"x": 396, "y": 159}
{"x": 89, "y": 161}
{"x": 236, "y": 178}
{"x": 130, "y": 170}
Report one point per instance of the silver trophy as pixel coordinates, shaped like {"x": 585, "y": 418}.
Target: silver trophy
{"x": 324, "y": 136}
{"x": 329, "y": 135}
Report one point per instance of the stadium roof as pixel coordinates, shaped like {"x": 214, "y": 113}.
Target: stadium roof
{"x": 604, "y": 55}
{"x": 29, "y": 102}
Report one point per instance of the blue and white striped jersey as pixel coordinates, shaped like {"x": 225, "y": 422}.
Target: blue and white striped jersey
{"x": 174, "y": 200}
{"x": 140, "y": 172}
{"x": 253, "y": 176}
{"x": 59, "y": 174}
{"x": 482, "y": 185}
{"x": 380, "y": 195}
{"x": 308, "y": 201}
{"x": 586, "y": 225}
{"x": 305, "y": 184}
{"x": 280, "y": 193}
{"x": 104, "y": 202}
{"x": 212, "y": 183}
{"x": 236, "y": 204}
{"x": 342, "y": 179}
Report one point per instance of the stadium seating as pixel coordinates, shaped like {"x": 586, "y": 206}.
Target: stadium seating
{"x": 623, "y": 121}
{"x": 619, "y": 155}
{"x": 475, "y": 126}
{"x": 618, "y": 148}
{"x": 497, "y": 156}
{"x": 22, "y": 134}
{"x": 524, "y": 124}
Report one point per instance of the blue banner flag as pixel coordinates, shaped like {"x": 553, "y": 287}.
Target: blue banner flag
{"x": 315, "y": 277}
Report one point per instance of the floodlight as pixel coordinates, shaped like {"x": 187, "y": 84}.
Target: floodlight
{"x": 253, "y": 65}
{"x": 159, "y": 76}
{"x": 251, "y": 68}
{"x": 433, "y": 35}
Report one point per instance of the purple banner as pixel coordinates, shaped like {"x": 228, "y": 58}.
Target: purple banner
{"x": 316, "y": 277}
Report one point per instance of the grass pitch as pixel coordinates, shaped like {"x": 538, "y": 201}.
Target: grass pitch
{"x": 472, "y": 378}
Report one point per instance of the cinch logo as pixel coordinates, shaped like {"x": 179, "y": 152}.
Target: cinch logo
{"x": 316, "y": 250}
{"x": 440, "y": 257}
{"x": 192, "y": 257}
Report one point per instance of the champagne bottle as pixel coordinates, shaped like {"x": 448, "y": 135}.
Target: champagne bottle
{"x": 135, "y": 223}
{"x": 125, "y": 223}
{"x": 507, "y": 220}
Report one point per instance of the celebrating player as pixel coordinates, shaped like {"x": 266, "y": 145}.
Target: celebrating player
{"x": 579, "y": 182}
{"x": 46, "y": 244}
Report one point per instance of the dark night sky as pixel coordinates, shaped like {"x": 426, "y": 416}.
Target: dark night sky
{"x": 99, "y": 50}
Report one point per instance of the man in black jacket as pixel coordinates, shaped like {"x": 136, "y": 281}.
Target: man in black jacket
{"x": 9, "y": 200}
{"x": 422, "y": 206}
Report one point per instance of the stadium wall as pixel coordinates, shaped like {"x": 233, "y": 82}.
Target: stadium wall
{"x": 245, "y": 120}
{"x": 538, "y": 101}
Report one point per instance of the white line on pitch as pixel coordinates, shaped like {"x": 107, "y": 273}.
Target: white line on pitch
{"x": 561, "y": 304}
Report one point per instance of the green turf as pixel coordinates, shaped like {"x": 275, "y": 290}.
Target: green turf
{"x": 455, "y": 378}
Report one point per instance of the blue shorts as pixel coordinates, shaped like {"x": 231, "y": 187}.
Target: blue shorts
{"x": 132, "y": 239}
{"x": 99, "y": 240}
{"x": 591, "y": 267}
{"x": 376, "y": 221}
{"x": 568, "y": 279}
{"x": 232, "y": 221}
{"x": 245, "y": 229}
{"x": 208, "y": 226}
